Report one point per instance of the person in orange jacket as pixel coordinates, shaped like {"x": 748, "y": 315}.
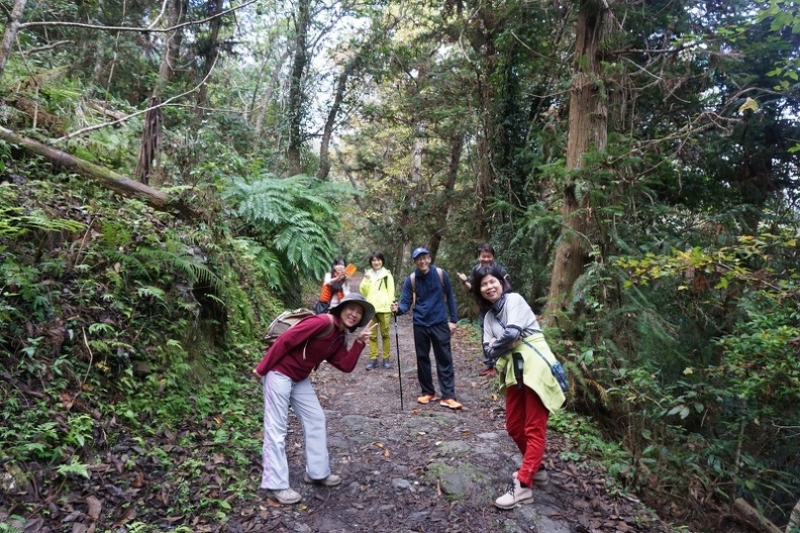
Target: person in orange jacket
{"x": 335, "y": 287}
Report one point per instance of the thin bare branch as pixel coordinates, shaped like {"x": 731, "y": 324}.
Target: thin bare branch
{"x": 143, "y": 111}
{"x": 163, "y": 8}
{"x": 44, "y": 48}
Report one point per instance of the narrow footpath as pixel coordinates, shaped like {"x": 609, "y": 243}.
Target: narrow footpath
{"x": 425, "y": 468}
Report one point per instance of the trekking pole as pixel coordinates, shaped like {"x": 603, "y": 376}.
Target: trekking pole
{"x": 399, "y": 372}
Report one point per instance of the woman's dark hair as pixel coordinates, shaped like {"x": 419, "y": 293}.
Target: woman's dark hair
{"x": 486, "y": 247}
{"x": 338, "y": 261}
{"x": 377, "y": 255}
{"x": 493, "y": 270}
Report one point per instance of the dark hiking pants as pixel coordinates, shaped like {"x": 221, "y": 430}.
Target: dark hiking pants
{"x": 437, "y": 336}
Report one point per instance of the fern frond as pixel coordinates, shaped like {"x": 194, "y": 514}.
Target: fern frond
{"x": 183, "y": 262}
{"x": 294, "y": 218}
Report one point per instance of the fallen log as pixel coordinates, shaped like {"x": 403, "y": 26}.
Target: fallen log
{"x": 757, "y": 518}
{"x": 116, "y": 182}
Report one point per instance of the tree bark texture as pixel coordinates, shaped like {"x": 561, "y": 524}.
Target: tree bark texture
{"x": 150, "y": 145}
{"x": 296, "y": 95}
{"x": 10, "y": 33}
{"x": 124, "y": 186}
{"x": 588, "y": 128}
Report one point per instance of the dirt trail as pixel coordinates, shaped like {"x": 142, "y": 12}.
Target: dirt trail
{"x": 427, "y": 468}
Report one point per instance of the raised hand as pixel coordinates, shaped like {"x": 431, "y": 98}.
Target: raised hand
{"x": 364, "y": 334}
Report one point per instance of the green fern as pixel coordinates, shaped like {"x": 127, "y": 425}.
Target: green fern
{"x": 294, "y": 218}
{"x": 12, "y": 528}
{"x": 264, "y": 261}
{"x": 187, "y": 264}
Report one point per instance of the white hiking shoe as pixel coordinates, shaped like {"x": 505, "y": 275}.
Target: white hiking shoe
{"x": 285, "y": 496}
{"x": 516, "y": 495}
{"x": 540, "y": 479}
{"x": 330, "y": 481}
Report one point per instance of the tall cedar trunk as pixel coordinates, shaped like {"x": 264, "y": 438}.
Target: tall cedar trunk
{"x": 10, "y": 33}
{"x": 456, "y": 149}
{"x": 296, "y": 97}
{"x": 483, "y": 42}
{"x": 209, "y": 57}
{"x": 150, "y": 145}
{"x": 587, "y": 131}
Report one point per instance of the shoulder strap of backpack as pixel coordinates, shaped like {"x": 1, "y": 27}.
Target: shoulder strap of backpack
{"x": 440, "y": 272}
{"x": 441, "y": 280}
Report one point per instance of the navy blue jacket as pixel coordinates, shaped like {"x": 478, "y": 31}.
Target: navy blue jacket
{"x": 430, "y": 308}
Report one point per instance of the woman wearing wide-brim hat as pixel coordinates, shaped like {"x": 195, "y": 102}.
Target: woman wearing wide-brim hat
{"x": 285, "y": 371}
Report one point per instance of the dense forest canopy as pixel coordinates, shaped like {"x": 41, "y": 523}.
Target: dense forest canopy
{"x": 635, "y": 164}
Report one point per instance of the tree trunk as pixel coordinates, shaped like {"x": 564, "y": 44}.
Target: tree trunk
{"x": 588, "y": 127}
{"x": 110, "y": 179}
{"x": 150, "y": 146}
{"x": 262, "y": 112}
{"x": 10, "y": 33}
{"x": 456, "y": 149}
{"x": 209, "y": 57}
{"x": 341, "y": 85}
{"x": 327, "y": 133}
{"x": 296, "y": 96}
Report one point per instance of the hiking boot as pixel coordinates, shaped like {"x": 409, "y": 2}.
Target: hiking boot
{"x": 488, "y": 372}
{"x": 285, "y": 496}
{"x": 372, "y": 365}
{"x": 450, "y": 403}
{"x": 387, "y": 364}
{"x": 330, "y": 481}
{"x": 426, "y": 398}
{"x": 516, "y": 495}
{"x": 540, "y": 478}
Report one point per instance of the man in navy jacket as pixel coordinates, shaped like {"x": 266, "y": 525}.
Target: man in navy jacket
{"x": 429, "y": 293}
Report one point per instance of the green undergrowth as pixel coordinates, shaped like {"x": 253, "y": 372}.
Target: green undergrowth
{"x": 127, "y": 339}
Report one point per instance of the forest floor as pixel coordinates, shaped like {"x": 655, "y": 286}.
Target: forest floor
{"x": 419, "y": 468}
{"x": 430, "y": 469}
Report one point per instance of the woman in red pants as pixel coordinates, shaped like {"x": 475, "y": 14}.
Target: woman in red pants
{"x": 513, "y": 339}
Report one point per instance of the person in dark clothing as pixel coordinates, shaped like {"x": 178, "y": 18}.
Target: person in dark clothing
{"x": 428, "y": 291}
{"x": 486, "y": 258}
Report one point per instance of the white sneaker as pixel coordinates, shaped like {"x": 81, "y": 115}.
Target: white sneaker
{"x": 516, "y": 495}
{"x": 285, "y": 496}
{"x": 330, "y": 481}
